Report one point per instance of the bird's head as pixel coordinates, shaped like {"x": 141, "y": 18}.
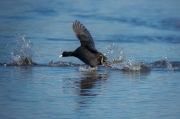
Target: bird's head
{"x": 65, "y": 54}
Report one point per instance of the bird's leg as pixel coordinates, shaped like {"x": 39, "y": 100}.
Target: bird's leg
{"x": 101, "y": 59}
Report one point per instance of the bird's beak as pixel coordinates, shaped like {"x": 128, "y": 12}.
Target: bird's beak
{"x": 60, "y": 56}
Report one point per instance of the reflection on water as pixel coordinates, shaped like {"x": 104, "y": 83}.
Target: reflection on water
{"x": 135, "y": 76}
{"x": 89, "y": 81}
{"x": 87, "y": 89}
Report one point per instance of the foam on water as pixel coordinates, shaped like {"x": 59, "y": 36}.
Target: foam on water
{"x": 60, "y": 63}
{"x": 23, "y": 53}
{"x": 87, "y": 69}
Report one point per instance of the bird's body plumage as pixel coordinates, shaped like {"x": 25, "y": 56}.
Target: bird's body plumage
{"x": 92, "y": 59}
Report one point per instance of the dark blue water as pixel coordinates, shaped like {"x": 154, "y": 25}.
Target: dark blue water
{"x": 141, "y": 32}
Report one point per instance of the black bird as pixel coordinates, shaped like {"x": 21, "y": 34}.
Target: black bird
{"x": 87, "y": 51}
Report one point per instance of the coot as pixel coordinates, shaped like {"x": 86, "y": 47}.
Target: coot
{"x": 87, "y": 51}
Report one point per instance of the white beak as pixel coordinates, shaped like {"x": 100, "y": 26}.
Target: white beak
{"x": 60, "y": 56}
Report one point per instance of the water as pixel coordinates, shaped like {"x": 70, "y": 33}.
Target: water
{"x": 141, "y": 38}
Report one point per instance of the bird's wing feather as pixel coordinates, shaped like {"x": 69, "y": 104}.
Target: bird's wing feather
{"x": 84, "y": 36}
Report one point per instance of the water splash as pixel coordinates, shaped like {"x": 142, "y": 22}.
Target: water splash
{"x": 167, "y": 63}
{"x": 87, "y": 69}
{"x": 114, "y": 53}
{"x": 116, "y": 59}
{"x": 128, "y": 65}
{"x": 23, "y": 53}
{"x": 132, "y": 65}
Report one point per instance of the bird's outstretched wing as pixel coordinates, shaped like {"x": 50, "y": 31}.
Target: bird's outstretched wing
{"x": 84, "y": 36}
